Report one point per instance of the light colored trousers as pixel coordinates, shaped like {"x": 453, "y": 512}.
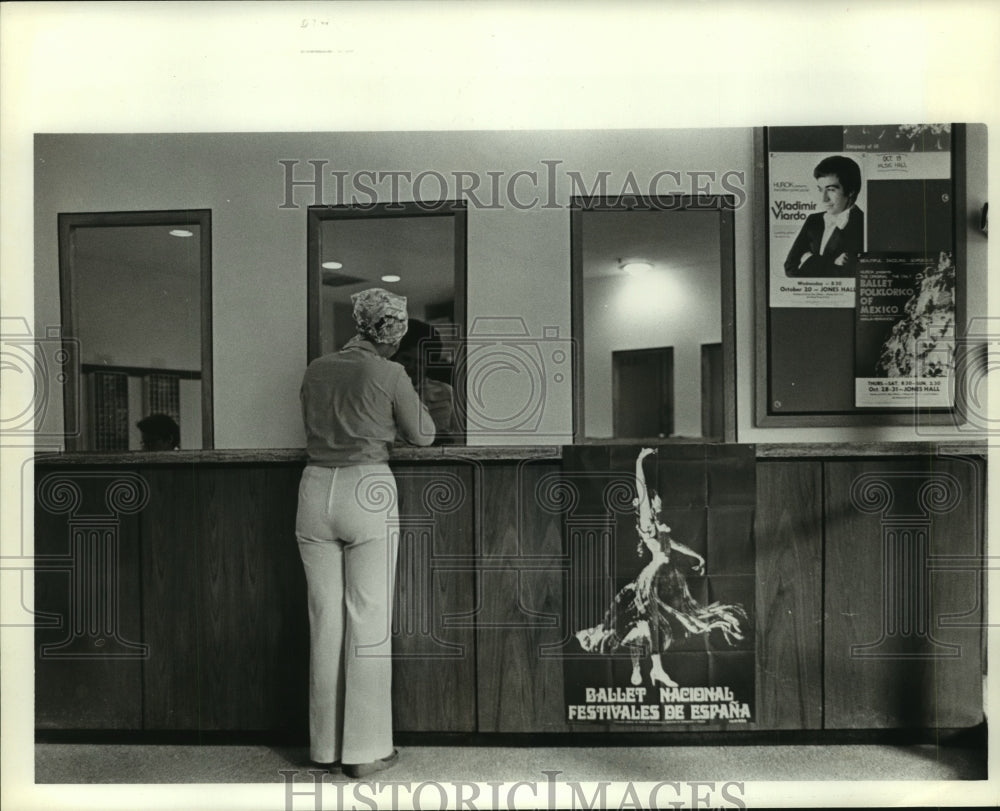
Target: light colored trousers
{"x": 347, "y": 528}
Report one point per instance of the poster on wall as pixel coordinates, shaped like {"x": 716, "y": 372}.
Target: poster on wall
{"x": 816, "y": 228}
{"x": 905, "y": 331}
{"x": 666, "y": 635}
{"x": 837, "y": 192}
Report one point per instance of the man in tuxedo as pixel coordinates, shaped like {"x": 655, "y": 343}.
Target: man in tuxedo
{"x": 831, "y": 239}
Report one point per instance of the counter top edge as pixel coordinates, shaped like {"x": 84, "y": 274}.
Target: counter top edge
{"x": 499, "y": 453}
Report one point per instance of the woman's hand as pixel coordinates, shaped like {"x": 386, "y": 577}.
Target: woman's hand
{"x": 645, "y": 452}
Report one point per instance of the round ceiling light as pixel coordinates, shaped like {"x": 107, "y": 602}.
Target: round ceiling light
{"x": 181, "y": 232}
{"x": 390, "y": 277}
{"x": 636, "y": 267}
{"x": 333, "y": 265}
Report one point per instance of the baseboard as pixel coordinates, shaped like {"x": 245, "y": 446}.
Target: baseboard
{"x": 971, "y": 738}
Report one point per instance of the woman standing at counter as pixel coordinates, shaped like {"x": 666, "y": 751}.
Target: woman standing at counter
{"x": 354, "y": 404}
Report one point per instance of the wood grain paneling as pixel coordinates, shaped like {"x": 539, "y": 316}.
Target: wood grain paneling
{"x": 434, "y": 664}
{"x": 888, "y": 661}
{"x": 210, "y": 579}
{"x": 248, "y": 568}
{"x": 282, "y": 621}
{"x": 171, "y": 587}
{"x": 788, "y": 538}
{"x": 229, "y": 596}
{"x": 521, "y": 619}
{"x": 226, "y": 592}
{"x": 86, "y": 678}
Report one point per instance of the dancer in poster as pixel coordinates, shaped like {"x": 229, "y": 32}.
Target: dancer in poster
{"x": 830, "y": 240}
{"x": 656, "y": 608}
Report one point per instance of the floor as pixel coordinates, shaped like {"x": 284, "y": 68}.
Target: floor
{"x": 144, "y": 763}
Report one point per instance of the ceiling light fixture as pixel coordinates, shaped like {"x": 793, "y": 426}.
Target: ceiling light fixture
{"x": 181, "y": 232}
{"x": 333, "y": 265}
{"x": 390, "y": 277}
{"x": 635, "y": 267}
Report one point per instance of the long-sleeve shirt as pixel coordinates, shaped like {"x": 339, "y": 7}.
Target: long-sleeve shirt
{"x": 354, "y": 403}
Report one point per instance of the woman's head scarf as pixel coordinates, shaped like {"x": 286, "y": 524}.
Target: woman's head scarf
{"x": 380, "y": 316}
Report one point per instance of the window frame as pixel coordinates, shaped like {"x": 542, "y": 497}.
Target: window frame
{"x": 67, "y": 224}
{"x": 317, "y": 215}
{"x": 725, "y": 205}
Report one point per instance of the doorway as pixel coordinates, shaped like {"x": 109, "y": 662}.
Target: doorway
{"x": 643, "y": 392}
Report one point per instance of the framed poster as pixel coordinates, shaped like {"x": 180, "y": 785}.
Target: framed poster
{"x": 863, "y": 254}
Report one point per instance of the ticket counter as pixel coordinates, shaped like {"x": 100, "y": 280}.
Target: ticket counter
{"x": 170, "y": 596}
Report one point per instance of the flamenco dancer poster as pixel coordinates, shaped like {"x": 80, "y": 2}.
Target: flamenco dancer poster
{"x": 665, "y": 634}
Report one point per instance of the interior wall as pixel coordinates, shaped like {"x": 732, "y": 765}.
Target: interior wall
{"x": 129, "y": 318}
{"x": 679, "y": 309}
{"x": 518, "y": 255}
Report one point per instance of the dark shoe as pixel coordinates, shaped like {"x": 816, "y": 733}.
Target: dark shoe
{"x": 356, "y": 770}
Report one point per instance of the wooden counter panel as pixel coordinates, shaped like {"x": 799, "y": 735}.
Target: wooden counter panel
{"x": 457, "y": 454}
{"x": 253, "y": 636}
{"x": 888, "y": 661}
{"x": 210, "y": 579}
{"x": 224, "y": 600}
{"x": 226, "y": 592}
{"x": 171, "y": 585}
{"x": 447, "y": 454}
{"x": 88, "y": 632}
{"x": 521, "y": 613}
{"x": 434, "y": 666}
{"x": 788, "y": 537}
{"x": 282, "y": 616}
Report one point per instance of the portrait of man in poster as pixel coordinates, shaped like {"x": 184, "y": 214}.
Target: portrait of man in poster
{"x": 831, "y": 239}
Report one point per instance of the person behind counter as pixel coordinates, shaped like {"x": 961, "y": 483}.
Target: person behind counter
{"x": 354, "y": 403}
{"x": 159, "y": 433}
{"x": 830, "y": 240}
{"x": 419, "y": 350}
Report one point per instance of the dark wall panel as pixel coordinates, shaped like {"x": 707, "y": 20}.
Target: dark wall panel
{"x": 434, "y": 666}
{"x": 789, "y": 543}
{"x": 282, "y": 618}
{"x": 253, "y": 627}
{"x": 207, "y": 575}
{"x": 225, "y": 600}
{"x": 521, "y": 603}
{"x": 890, "y": 660}
{"x": 89, "y": 659}
{"x": 171, "y": 586}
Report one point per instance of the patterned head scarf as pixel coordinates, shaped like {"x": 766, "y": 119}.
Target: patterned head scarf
{"x": 380, "y": 315}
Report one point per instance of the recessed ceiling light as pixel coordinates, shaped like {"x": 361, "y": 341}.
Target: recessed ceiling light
{"x": 333, "y": 265}
{"x": 634, "y": 268}
{"x": 181, "y": 232}
{"x": 390, "y": 277}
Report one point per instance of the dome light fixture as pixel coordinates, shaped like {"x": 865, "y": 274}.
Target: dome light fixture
{"x": 181, "y": 232}
{"x": 333, "y": 265}
{"x": 633, "y": 267}
{"x": 390, "y": 277}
